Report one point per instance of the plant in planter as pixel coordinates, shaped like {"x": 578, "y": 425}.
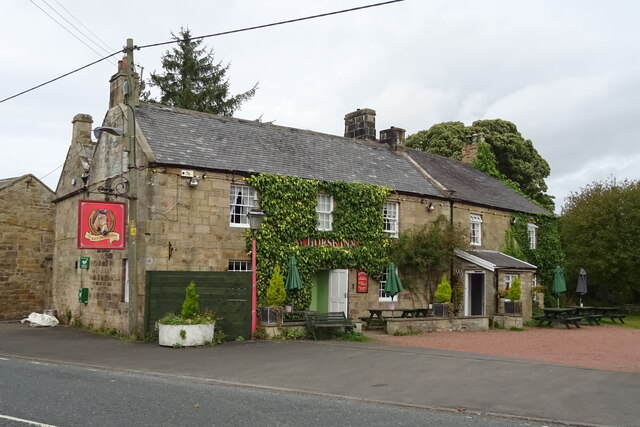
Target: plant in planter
{"x": 276, "y": 295}
{"x": 191, "y": 327}
{"x": 442, "y": 296}
{"x": 513, "y": 295}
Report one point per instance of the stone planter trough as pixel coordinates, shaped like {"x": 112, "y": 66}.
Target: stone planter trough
{"x": 194, "y": 335}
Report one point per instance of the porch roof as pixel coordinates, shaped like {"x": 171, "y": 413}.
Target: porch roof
{"x": 494, "y": 260}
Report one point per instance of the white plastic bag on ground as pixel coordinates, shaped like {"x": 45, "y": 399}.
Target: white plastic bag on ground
{"x": 41, "y": 320}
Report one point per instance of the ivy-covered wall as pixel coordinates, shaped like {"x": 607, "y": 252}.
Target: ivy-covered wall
{"x": 548, "y": 252}
{"x": 289, "y": 205}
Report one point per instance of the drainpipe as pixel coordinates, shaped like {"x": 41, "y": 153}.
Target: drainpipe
{"x": 450, "y": 198}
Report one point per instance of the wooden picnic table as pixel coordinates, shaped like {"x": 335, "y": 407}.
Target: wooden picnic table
{"x": 376, "y": 316}
{"x": 612, "y": 313}
{"x": 589, "y": 314}
{"x": 558, "y": 315}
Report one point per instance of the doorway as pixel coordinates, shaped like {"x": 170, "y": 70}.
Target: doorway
{"x": 474, "y": 293}
{"x": 330, "y": 291}
{"x": 338, "y": 286}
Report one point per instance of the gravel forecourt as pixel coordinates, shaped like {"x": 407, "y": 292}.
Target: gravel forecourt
{"x": 607, "y": 347}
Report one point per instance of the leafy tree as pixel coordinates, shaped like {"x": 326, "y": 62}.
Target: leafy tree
{"x": 193, "y": 80}
{"x": 445, "y": 139}
{"x": 599, "y": 228}
{"x": 516, "y": 159}
{"x": 423, "y": 255}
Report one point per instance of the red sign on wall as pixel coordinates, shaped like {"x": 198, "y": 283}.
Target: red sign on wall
{"x": 363, "y": 282}
{"x": 101, "y": 225}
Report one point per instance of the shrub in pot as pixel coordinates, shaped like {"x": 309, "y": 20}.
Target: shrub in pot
{"x": 442, "y": 297}
{"x": 513, "y": 294}
{"x": 191, "y": 327}
{"x": 276, "y": 295}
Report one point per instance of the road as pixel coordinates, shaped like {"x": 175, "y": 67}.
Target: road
{"x": 65, "y": 395}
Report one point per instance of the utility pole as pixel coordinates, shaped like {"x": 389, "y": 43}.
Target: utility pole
{"x": 132, "y": 172}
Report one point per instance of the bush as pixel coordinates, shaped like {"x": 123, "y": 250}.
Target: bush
{"x": 443, "y": 291}
{"x": 514, "y": 291}
{"x": 276, "y": 293}
{"x": 190, "y": 306}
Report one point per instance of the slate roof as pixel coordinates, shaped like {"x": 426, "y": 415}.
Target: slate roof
{"x": 5, "y": 182}
{"x": 494, "y": 260}
{"x": 199, "y": 140}
{"x": 472, "y": 185}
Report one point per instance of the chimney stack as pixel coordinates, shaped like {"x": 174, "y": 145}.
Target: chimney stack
{"x": 393, "y": 136}
{"x": 119, "y": 86}
{"x": 361, "y": 124}
{"x": 470, "y": 150}
{"x": 81, "y": 133}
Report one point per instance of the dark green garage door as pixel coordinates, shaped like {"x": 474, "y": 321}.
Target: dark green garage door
{"x": 228, "y": 294}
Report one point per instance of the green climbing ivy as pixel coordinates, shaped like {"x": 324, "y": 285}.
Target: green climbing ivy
{"x": 289, "y": 204}
{"x": 548, "y": 252}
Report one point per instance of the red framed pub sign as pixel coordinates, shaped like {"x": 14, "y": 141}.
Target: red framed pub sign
{"x": 363, "y": 282}
{"x": 101, "y": 225}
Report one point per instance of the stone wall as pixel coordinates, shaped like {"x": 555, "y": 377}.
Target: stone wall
{"x": 401, "y": 326}
{"x": 26, "y": 247}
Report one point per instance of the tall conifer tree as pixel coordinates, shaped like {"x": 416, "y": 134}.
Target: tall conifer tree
{"x": 193, "y": 80}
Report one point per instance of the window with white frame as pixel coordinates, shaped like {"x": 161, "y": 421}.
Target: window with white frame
{"x": 382, "y": 295}
{"x": 531, "y": 229}
{"x": 324, "y": 210}
{"x": 508, "y": 280}
{"x": 239, "y": 265}
{"x": 476, "y": 230}
{"x": 241, "y": 200}
{"x": 390, "y": 216}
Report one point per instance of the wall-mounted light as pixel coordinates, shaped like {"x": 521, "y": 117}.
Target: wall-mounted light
{"x": 108, "y": 129}
{"x": 194, "y": 181}
{"x": 431, "y": 207}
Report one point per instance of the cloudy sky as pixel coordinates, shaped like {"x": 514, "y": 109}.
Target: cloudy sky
{"x": 567, "y": 73}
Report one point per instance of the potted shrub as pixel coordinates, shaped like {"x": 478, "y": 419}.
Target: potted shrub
{"x": 191, "y": 327}
{"x": 276, "y": 295}
{"x": 512, "y": 304}
{"x": 442, "y": 297}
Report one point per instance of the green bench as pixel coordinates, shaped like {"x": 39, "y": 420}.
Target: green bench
{"x": 566, "y": 321}
{"x": 334, "y": 319}
{"x": 571, "y": 320}
{"x": 544, "y": 318}
{"x": 614, "y": 316}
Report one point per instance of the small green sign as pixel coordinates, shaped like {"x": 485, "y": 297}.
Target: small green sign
{"x": 84, "y": 262}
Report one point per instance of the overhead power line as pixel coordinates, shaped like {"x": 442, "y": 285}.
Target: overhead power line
{"x": 106, "y": 48}
{"x": 256, "y": 27}
{"x": 67, "y": 29}
{"x": 289, "y": 21}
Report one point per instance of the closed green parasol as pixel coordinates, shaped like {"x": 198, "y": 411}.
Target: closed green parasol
{"x": 559, "y": 285}
{"x": 293, "y": 282}
{"x": 393, "y": 285}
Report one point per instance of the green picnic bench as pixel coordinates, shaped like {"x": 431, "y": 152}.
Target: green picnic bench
{"x": 614, "y": 316}
{"x": 333, "y": 319}
{"x": 566, "y": 316}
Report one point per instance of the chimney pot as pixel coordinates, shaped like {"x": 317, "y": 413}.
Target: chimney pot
{"x": 393, "y": 136}
{"x": 360, "y": 124}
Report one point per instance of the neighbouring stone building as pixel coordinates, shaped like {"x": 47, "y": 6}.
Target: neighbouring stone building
{"x": 184, "y": 185}
{"x": 26, "y": 246}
